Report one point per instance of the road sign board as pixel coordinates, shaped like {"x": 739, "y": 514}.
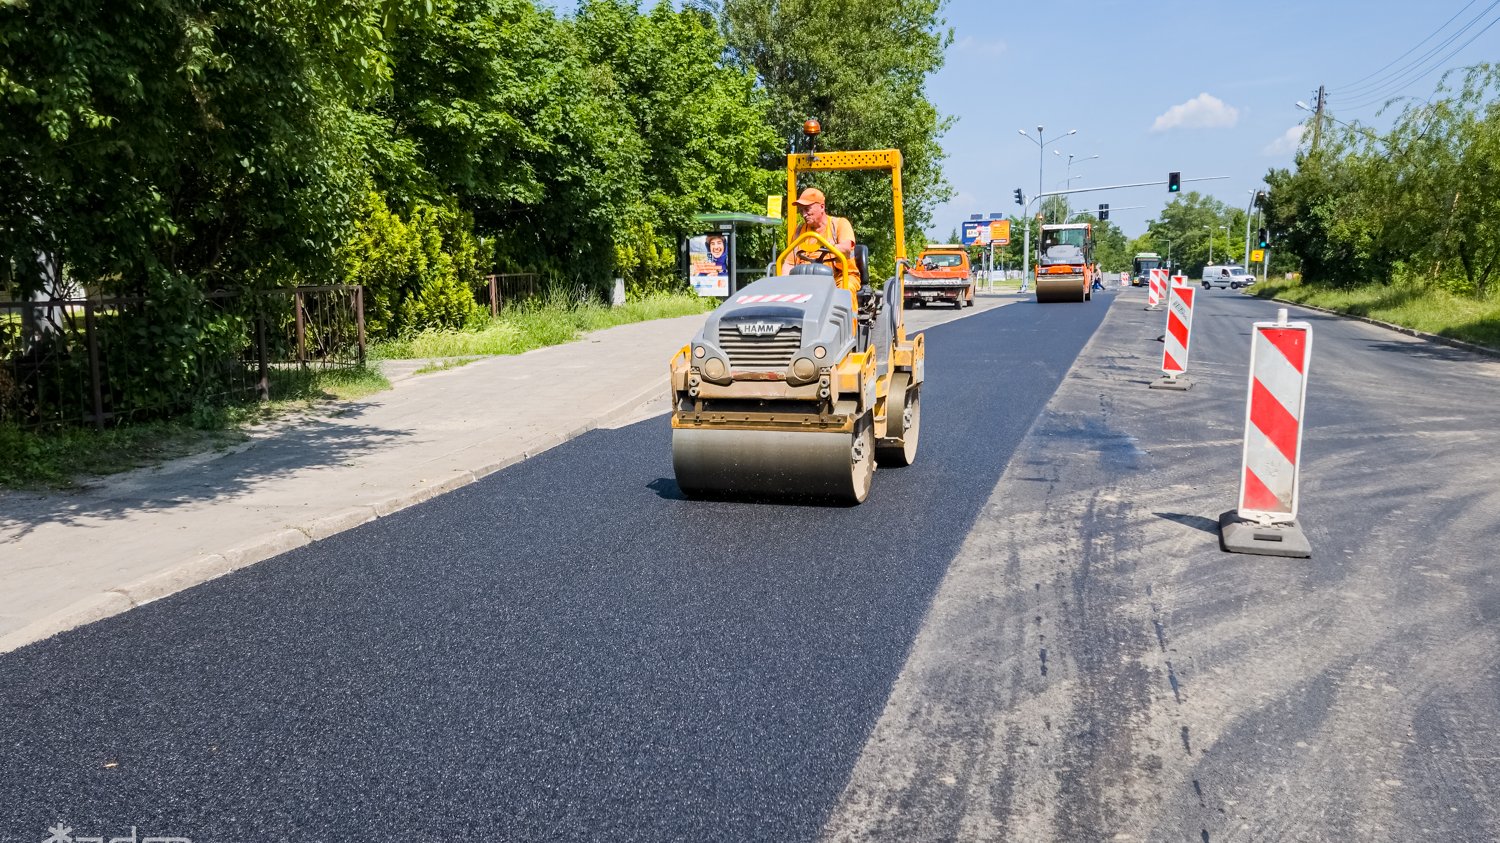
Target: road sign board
{"x": 1000, "y": 232}
{"x": 1257, "y": 255}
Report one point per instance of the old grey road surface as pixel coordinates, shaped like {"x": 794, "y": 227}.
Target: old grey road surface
{"x": 1094, "y": 668}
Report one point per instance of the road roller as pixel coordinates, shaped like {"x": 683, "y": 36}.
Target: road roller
{"x": 799, "y": 384}
{"x": 1065, "y": 266}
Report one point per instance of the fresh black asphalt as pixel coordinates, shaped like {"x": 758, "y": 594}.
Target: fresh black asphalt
{"x": 566, "y": 650}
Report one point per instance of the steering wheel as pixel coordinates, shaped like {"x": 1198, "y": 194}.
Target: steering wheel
{"x": 822, "y": 255}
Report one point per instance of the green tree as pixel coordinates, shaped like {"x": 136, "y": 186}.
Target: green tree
{"x": 1109, "y": 244}
{"x": 165, "y": 149}
{"x": 208, "y": 139}
{"x": 702, "y": 126}
{"x": 1417, "y": 203}
{"x": 862, "y": 69}
{"x": 1188, "y": 223}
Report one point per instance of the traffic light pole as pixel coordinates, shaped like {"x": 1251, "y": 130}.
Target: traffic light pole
{"x": 1026, "y": 211}
{"x": 1119, "y": 186}
{"x": 1026, "y": 247}
{"x": 1254, "y": 195}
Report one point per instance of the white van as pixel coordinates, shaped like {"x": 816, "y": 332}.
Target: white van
{"x": 1231, "y": 276}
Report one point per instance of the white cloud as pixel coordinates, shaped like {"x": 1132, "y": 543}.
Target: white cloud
{"x": 1204, "y": 111}
{"x": 1287, "y": 143}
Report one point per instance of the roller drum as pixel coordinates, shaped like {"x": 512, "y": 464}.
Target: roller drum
{"x": 774, "y": 463}
{"x": 1069, "y": 290}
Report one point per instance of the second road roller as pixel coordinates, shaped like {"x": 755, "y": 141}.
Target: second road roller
{"x": 1065, "y": 266}
{"x": 801, "y": 383}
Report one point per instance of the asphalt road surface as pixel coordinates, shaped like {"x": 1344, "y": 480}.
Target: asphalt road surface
{"x": 566, "y": 650}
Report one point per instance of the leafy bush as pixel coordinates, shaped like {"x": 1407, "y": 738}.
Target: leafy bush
{"x": 418, "y": 274}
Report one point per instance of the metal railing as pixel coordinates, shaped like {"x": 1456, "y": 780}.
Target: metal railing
{"x": 508, "y": 288}
{"x": 104, "y": 360}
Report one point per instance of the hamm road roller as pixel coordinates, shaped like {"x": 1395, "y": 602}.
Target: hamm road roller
{"x": 799, "y": 384}
{"x": 1065, "y": 263}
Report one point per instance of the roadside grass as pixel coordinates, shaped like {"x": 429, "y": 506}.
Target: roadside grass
{"x": 1430, "y": 309}
{"x": 57, "y": 459}
{"x": 535, "y": 325}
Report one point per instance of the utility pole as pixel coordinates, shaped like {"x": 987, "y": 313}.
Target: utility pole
{"x": 1318, "y": 117}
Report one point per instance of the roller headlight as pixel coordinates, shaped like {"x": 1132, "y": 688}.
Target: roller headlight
{"x": 714, "y": 369}
{"x": 820, "y": 352}
{"x": 698, "y": 352}
{"x": 804, "y": 369}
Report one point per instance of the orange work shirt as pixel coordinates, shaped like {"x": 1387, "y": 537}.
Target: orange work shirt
{"x": 836, "y": 230}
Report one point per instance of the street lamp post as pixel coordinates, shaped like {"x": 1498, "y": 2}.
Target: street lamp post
{"x": 1041, "y": 148}
{"x": 1210, "y": 230}
{"x": 1070, "y": 167}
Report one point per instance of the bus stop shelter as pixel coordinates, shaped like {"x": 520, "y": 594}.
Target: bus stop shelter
{"x": 728, "y": 224}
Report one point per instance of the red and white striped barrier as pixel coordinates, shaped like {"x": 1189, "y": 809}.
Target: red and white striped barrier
{"x": 1279, "y": 354}
{"x": 1265, "y": 521}
{"x": 1174, "y": 355}
{"x": 1175, "y": 341}
{"x": 1157, "y": 288}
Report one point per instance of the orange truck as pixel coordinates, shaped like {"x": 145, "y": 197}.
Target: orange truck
{"x": 940, "y": 274}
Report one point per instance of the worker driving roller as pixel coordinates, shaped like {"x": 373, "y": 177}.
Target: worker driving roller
{"x": 815, "y": 217}
{"x": 799, "y": 383}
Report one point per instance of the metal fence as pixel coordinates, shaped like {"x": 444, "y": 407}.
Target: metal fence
{"x": 104, "y": 360}
{"x": 508, "y": 288}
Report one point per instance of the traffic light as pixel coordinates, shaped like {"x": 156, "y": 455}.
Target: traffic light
{"x": 1103, "y": 212}
{"x": 1174, "y": 182}
{"x": 1263, "y": 240}
{"x": 1020, "y": 197}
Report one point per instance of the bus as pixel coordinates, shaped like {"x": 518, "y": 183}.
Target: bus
{"x": 1140, "y": 275}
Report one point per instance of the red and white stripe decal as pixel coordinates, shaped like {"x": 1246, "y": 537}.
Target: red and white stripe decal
{"x": 1279, "y": 358}
{"x": 1174, "y": 355}
{"x": 1157, "y": 287}
{"x": 789, "y": 298}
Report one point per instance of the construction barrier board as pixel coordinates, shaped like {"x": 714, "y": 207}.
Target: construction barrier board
{"x": 1280, "y": 354}
{"x": 1175, "y": 343}
{"x": 1157, "y": 287}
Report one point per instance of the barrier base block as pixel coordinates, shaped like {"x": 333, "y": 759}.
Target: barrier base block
{"x": 1167, "y": 382}
{"x": 1236, "y": 535}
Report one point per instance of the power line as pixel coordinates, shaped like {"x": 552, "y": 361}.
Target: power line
{"x": 1383, "y": 86}
{"x": 1413, "y": 80}
{"x": 1413, "y": 49}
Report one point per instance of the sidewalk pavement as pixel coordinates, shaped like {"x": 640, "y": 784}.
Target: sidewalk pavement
{"x": 69, "y": 559}
{"x": 73, "y": 558}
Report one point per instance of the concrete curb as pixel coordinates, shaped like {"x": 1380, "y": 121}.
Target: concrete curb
{"x": 201, "y": 569}
{"x": 1390, "y": 326}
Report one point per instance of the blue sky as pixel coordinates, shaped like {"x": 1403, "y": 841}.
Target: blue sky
{"x": 1116, "y": 70}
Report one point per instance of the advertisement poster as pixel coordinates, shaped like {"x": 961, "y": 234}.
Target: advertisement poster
{"x": 708, "y": 264}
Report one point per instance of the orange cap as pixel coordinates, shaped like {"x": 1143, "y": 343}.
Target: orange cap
{"x": 810, "y": 196}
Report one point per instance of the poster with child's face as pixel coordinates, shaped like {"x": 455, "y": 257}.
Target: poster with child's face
{"x": 708, "y": 264}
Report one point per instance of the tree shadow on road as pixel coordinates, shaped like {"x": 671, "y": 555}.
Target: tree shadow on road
{"x": 288, "y": 447}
